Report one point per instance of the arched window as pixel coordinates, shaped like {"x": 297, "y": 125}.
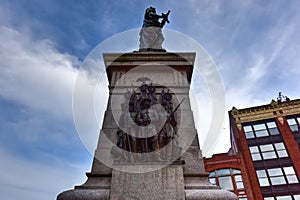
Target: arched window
{"x": 229, "y": 179}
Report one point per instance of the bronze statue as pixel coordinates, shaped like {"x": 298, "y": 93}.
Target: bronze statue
{"x": 151, "y": 37}
{"x": 155, "y": 130}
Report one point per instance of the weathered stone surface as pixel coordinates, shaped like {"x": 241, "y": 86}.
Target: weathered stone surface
{"x": 84, "y": 194}
{"x": 166, "y": 183}
{"x": 207, "y": 194}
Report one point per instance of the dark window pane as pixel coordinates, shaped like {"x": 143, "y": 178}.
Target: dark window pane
{"x": 269, "y": 155}
{"x": 211, "y": 174}
{"x": 254, "y": 149}
{"x": 279, "y": 146}
{"x": 223, "y": 172}
{"x": 261, "y": 173}
{"x": 282, "y": 153}
{"x": 297, "y": 197}
{"x": 294, "y": 128}
{"x": 274, "y": 131}
{"x": 238, "y": 178}
{"x": 261, "y": 133}
{"x": 292, "y": 178}
{"x": 258, "y": 127}
{"x": 284, "y": 198}
{"x": 236, "y": 171}
{"x": 263, "y": 182}
{"x": 266, "y": 147}
{"x": 212, "y": 181}
{"x": 289, "y": 170}
{"x": 291, "y": 121}
{"x": 256, "y": 156}
{"x": 226, "y": 183}
{"x": 271, "y": 125}
{"x": 275, "y": 172}
{"x": 247, "y": 129}
{"x": 278, "y": 180}
{"x": 249, "y": 135}
{"x": 240, "y": 185}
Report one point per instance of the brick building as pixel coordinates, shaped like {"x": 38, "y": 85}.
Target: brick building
{"x": 265, "y": 149}
{"x": 225, "y": 171}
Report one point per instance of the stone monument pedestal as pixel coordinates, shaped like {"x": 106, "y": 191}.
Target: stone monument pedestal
{"x": 183, "y": 176}
{"x": 165, "y": 183}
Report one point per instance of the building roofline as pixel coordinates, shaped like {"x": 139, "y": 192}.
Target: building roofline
{"x": 271, "y": 106}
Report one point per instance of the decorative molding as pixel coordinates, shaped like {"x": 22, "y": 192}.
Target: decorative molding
{"x": 239, "y": 126}
{"x": 271, "y": 110}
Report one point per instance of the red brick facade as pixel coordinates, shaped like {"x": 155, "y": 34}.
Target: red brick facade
{"x": 249, "y": 154}
{"x": 225, "y": 161}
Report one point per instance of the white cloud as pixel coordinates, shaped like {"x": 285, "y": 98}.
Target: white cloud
{"x": 255, "y": 47}
{"x": 23, "y": 179}
{"x": 35, "y": 74}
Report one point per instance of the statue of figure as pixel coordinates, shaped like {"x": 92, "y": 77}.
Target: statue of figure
{"x": 126, "y": 141}
{"x": 168, "y": 134}
{"x": 152, "y": 96}
{"x": 151, "y": 37}
{"x": 144, "y": 93}
{"x": 150, "y": 133}
{"x": 143, "y": 121}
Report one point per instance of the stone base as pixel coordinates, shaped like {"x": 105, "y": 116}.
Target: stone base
{"x": 84, "y": 194}
{"x": 97, "y": 187}
{"x": 165, "y": 183}
{"x": 168, "y": 183}
{"x": 208, "y": 194}
{"x": 197, "y": 187}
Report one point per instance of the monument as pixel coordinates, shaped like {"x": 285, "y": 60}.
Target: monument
{"x": 148, "y": 146}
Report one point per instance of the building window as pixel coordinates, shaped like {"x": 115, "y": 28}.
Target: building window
{"x": 239, "y": 182}
{"x": 261, "y": 130}
{"x": 294, "y": 124}
{"x": 276, "y": 176}
{"x": 225, "y": 182}
{"x": 290, "y": 175}
{"x": 268, "y": 151}
{"x": 262, "y": 178}
{"x": 229, "y": 179}
{"x": 286, "y": 197}
{"x": 297, "y": 197}
{"x": 255, "y": 153}
{"x": 248, "y": 132}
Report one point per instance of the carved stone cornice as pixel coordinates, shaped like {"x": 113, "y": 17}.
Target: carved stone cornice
{"x": 272, "y": 110}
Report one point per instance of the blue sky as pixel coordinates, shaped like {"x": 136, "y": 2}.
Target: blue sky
{"x": 254, "y": 45}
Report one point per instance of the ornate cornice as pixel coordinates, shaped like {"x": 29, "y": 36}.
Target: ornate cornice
{"x": 272, "y": 110}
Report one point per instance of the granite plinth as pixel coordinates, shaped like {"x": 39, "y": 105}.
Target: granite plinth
{"x": 84, "y": 194}
{"x": 208, "y": 194}
{"x": 165, "y": 183}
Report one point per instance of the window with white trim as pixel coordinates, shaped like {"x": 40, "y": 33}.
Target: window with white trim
{"x": 294, "y": 124}
{"x": 268, "y": 151}
{"x": 261, "y": 130}
{"x": 285, "y": 197}
{"x": 227, "y": 179}
{"x": 276, "y": 176}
